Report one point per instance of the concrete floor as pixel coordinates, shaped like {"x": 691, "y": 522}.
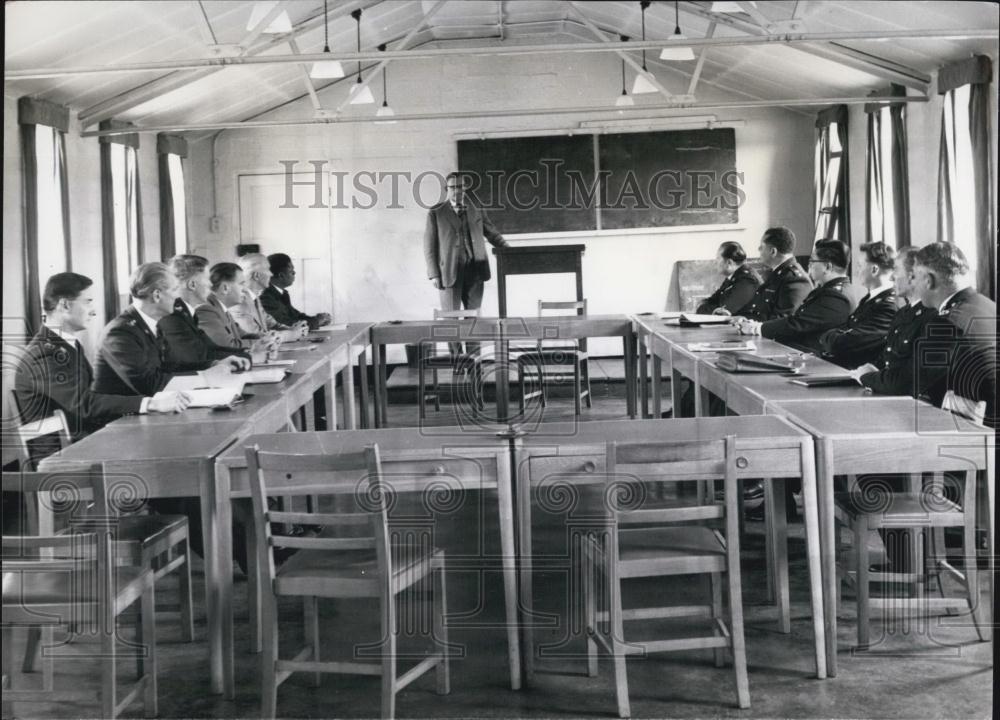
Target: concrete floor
{"x": 922, "y": 669}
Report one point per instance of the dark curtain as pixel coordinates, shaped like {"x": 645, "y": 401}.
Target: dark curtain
{"x": 60, "y": 153}
{"x": 824, "y": 119}
{"x": 900, "y": 174}
{"x": 880, "y": 170}
{"x": 133, "y": 199}
{"x": 111, "y": 308}
{"x": 979, "y": 133}
{"x": 873, "y": 178}
{"x": 946, "y": 214}
{"x": 843, "y": 202}
{"x": 32, "y": 291}
{"x": 167, "y": 244}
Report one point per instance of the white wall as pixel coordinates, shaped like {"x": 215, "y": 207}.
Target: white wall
{"x": 379, "y": 269}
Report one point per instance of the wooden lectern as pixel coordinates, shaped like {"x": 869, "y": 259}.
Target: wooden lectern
{"x": 536, "y": 260}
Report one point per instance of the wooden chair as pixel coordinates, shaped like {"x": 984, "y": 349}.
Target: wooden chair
{"x": 428, "y": 359}
{"x": 683, "y": 539}
{"x": 381, "y": 565}
{"x": 157, "y": 542}
{"x": 550, "y": 358}
{"x": 71, "y": 580}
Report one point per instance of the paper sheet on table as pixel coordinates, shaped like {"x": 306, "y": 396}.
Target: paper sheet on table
{"x": 696, "y": 319}
{"x": 275, "y": 363}
{"x": 331, "y": 328}
{"x": 190, "y": 383}
{"x": 263, "y": 375}
{"x": 286, "y": 347}
{"x": 735, "y": 345}
{"x": 210, "y": 397}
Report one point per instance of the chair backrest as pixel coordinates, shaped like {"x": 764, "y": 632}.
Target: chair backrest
{"x": 630, "y": 466}
{"x": 84, "y": 552}
{"x": 40, "y": 438}
{"x": 579, "y": 306}
{"x": 357, "y": 473}
{"x": 467, "y": 314}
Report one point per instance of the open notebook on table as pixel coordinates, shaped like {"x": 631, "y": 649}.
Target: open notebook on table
{"x": 204, "y": 396}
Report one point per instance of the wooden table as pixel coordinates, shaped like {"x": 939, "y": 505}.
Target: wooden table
{"x": 413, "y": 461}
{"x": 174, "y": 456}
{"x": 893, "y": 435}
{"x": 500, "y": 332}
{"x": 566, "y": 456}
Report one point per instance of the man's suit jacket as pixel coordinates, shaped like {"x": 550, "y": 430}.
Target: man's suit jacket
{"x": 736, "y": 291}
{"x": 826, "y": 307}
{"x": 251, "y": 318}
{"x": 278, "y": 305}
{"x": 784, "y": 290}
{"x": 218, "y": 325}
{"x": 444, "y": 246}
{"x": 895, "y": 375}
{"x": 861, "y": 338}
{"x": 188, "y": 346}
{"x": 54, "y": 374}
{"x": 130, "y": 360}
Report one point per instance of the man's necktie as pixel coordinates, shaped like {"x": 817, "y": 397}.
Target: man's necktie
{"x": 466, "y": 234}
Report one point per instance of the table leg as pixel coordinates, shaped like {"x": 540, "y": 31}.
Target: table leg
{"x": 778, "y": 556}
{"x": 810, "y": 512}
{"x": 330, "y": 400}
{"x": 505, "y": 506}
{"x": 643, "y": 376}
{"x": 657, "y": 388}
{"x": 523, "y": 499}
{"x": 347, "y": 383}
{"x": 363, "y": 378}
{"x": 501, "y": 377}
{"x": 213, "y": 582}
{"x": 828, "y": 530}
{"x": 628, "y": 340}
{"x": 381, "y": 399}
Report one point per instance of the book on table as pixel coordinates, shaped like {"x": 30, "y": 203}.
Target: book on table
{"x": 739, "y": 362}
{"x": 825, "y": 380}
{"x": 695, "y": 319}
{"x": 206, "y": 394}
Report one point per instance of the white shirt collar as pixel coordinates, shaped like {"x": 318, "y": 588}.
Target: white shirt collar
{"x": 191, "y": 308}
{"x": 147, "y": 319}
{"x": 948, "y": 299}
{"x": 872, "y": 294}
{"x": 68, "y": 337}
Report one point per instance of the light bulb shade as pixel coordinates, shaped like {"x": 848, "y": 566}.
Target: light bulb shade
{"x": 624, "y": 101}
{"x": 361, "y": 95}
{"x": 281, "y": 24}
{"x": 676, "y": 50}
{"x": 326, "y": 69}
{"x": 642, "y": 84}
{"x": 387, "y": 113}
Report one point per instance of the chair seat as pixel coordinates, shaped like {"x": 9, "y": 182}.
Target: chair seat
{"x": 681, "y": 550}
{"x": 350, "y": 574}
{"x": 896, "y": 506}
{"x": 22, "y": 590}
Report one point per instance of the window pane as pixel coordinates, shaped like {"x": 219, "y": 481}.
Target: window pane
{"x": 118, "y": 179}
{"x": 963, "y": 198}
{"x": 887, "y": 217}
{"x": 176, "y": 168}
{"x": 51, "y": 243}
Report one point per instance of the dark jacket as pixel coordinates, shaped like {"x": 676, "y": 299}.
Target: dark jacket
{"x": 861, "y": 338}
{"x": 218, "y": 324}
{"x": 736, "y": 291}
{"x": 187, "y": 346}
{"x": 826, "y": 307}
{"x": 784, "y": 290}
{"x": 895, "y": 363}
{"x": 278, "y": 305}
{"x": 957, "y": 352}
{"x": 55, "y": 375}
{"x": 130, "y": 360}
{"x": 444, "y": 245}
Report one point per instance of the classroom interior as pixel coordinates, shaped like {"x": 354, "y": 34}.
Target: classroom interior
{"x": 161, "y": 128}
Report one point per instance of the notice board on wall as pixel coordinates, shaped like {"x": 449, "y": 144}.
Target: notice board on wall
{"x": 605, "y": 182}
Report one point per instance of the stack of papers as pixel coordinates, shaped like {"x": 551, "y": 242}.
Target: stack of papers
{"x": 722, "y": 345}
{"x": 203, "y": 396}
{"x": 331, "y": 328}
{"x": 696, "y": 319}
{"x": 275, "y": 364}
{"x": 263, "y": 375}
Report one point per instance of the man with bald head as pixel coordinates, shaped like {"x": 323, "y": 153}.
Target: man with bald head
{"x": 249, "y": 314}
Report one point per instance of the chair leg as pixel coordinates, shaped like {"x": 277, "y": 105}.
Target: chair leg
{"x": 109, "y": 684}
{"x": 441, "y": 633}
{"x": 972, "y": 568}
{"x": 521, "y": 387}
{"x": 31, "y": 649}
{"x": 421, "y": 388}
{"x": 619, "y": 649}
{"x": 437, "y": 390}
{"x": 269, "y": 657}
{"x": 590, "y": 611}
{"x": 7, "y": 708}
{"x": 187, "y": 601}
{"x": 388, "y": 656}
{"x": 147, "y": 627}
{"x": 310, "y": 611}
{"x": 738, "y": 640}
{"x": 585, "y": 368}
{"x": 715, "y": 587}
{"x": 861, "y": 549}
{"x": 577, "y": 407}
{"x": 48, "y": 662}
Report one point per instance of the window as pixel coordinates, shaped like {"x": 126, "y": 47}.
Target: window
{"x": 887, "y": 210}
{"x": 955, "y": 134}
{"x": 53, "y": 245}
{"x": 124, "y": 182}
{"x": 176, "y": 176}
{"x": 829, "y": 155}
{"x": 171, "y": 150}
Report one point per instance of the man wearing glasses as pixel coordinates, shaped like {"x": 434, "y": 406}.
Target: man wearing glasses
{"x": 455, "y": 250}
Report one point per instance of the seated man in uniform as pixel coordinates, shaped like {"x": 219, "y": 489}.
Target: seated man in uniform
{"x": 956, "y": 353}
{"x": 187, "y": 345}
{"x": 250, "y": 315}
{"x": 275, "y": 298}
{"x": 740, "y": 283}
{"x": 827, "y": 306}
{"x": 228, "y": 283}
{"x": 892, "y": 373}
{"x": 132, "y": 356}
{"x": 861, "y": 338}
{"x": 787, "y": 285}
{"x": 54, "y": 373}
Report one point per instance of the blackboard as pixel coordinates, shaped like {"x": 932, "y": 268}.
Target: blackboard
{"x": 668, "y": 179}
{"x": 529, "y": 185}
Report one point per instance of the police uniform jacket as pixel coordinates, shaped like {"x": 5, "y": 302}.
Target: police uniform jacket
{"x": 957, "y": 352}
{"x": 861, "y": 339}
{"x": 218, "y": 324}
{"x": 824, "y": 308}
{"x": 784, "y": 290}
{"x": 131, "y": 358}
{"x": 187, "y": 346}
{"x": 736, "y": 291}
{"x": 895, "y": 362}
{"x": 54, "y": 374}
{"x": 277, "y": 303}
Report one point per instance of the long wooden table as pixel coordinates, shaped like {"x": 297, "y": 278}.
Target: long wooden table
{"x": 174, "y": 456}
{"x": 500, "y": 332}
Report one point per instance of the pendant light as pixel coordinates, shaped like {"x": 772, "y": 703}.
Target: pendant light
{"x": 385, "y": 111}
{"x": 326, "y": 69}
{"x": 360, "y": 94}
{"x": 280, "y": 24}
{"x": 642, "y": 82}
{"x": 624, "y": 100}
{"x": 677, "y": 51}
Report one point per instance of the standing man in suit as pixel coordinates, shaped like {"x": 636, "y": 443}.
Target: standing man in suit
{"x": 132, "y": 356}
{"x": 455, "y": 250}
{"x": 827, "y": 306}
{"x": 740, "y": 283}
{"x": 228, "y": 284}
{"x": 861, "y": 338}
{"x": 250, "y": 315}
{"x": 892, "y": 373}
{"x": 276, "y": 301}
{"x": 187, "y": 345}
{"x": 54, "y": 373}
{"x": 787, "y": 285}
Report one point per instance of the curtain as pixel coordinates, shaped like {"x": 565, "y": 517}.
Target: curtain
{"x": 831, "y": 175}
{"x": 873, "y": 179}
{"x": 843, "y": 202}
{"x": 132, "y": 201}
{"x": 167, "y": 243}
{"x": 979, "y": 134}
{"x": 887, "y": 174}
{"x": 111, "y": 308}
